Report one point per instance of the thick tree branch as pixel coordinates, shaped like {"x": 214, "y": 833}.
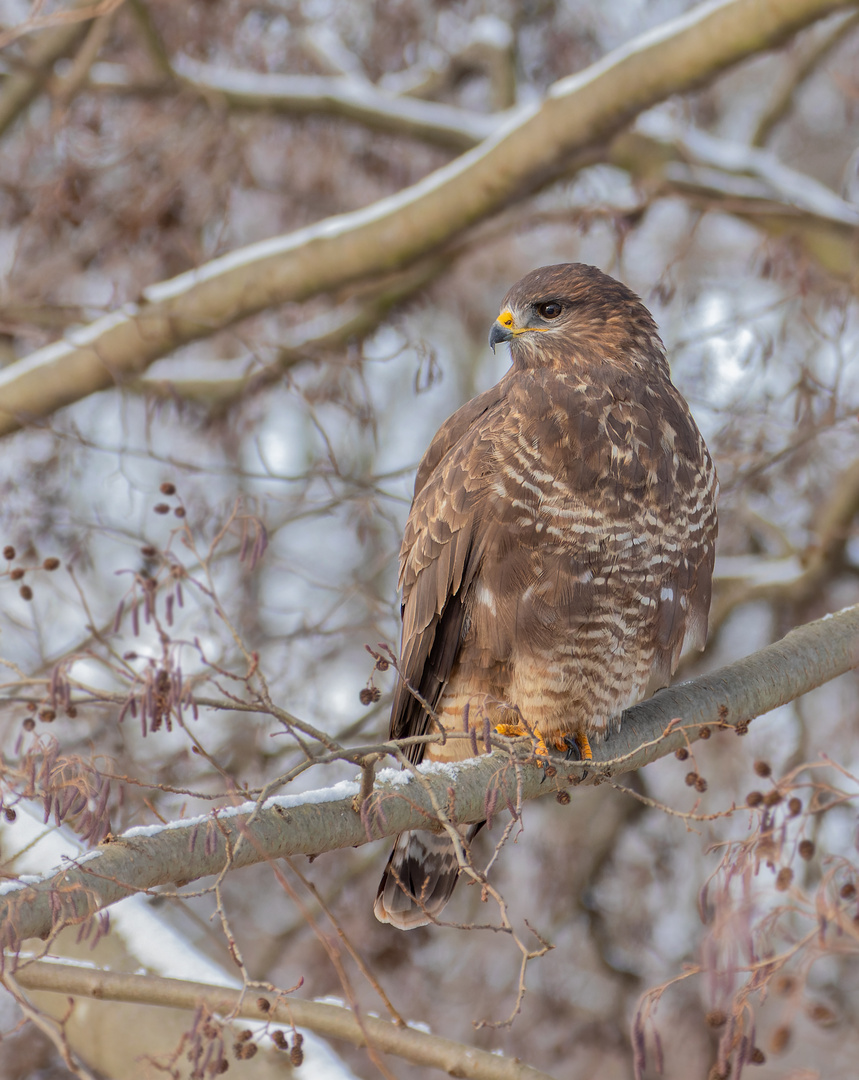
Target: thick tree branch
{"x": 745, "y": 182}
{"x": 331, "y": 1021}
{"x": 143, "y": 859}
{"x": 537, "y": 145}
{"x": 352, "y": 321}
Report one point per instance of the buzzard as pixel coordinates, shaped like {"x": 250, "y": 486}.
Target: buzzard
{"x": 559, "y": 549}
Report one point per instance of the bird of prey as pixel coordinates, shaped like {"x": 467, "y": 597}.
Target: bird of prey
{"x": 559, "y": 549}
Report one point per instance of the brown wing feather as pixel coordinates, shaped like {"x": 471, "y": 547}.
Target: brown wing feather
{"x": 438, "y": 560}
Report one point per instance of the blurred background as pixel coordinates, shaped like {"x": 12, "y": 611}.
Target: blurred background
{"x": 138, "y": 153}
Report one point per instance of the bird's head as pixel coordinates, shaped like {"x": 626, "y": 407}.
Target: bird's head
{"x": 572, "y": 313}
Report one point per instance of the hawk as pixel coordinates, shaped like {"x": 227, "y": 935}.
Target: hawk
{"x": 559, "y": 549}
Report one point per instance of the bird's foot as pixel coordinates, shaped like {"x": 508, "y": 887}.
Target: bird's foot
{"x": 573, "y": 747}
{"x": 512, "y": 731}
{"x": 519, "y": 731}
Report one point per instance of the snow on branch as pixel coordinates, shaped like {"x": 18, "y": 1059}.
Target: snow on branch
{"x": 536, "y": 145}
{"x": 332, "y": 818}
{"x": 340, "y": 95}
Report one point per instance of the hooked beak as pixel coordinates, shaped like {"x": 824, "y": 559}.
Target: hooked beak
{"x": 499, "y": 333}
{"x": 503, "y": 329}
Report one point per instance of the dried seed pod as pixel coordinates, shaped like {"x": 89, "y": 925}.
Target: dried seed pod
{"x": 762, "y": 768}
{"x": 296, "y": 1054}
{"x": 167, "y": 488}
{"x": 785, "y": 985}
{"x": 51, "y": 563}
{"x": 806, "y": 849}
{"x": 682, "y": 754}
{"x": 821, "y": 1014}
{"x": 783, "y": 879}
{"x": 780, "y": 1039}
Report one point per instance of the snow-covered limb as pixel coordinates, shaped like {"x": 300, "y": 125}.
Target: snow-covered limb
{"x": 332, "y": 1021}
{"x": 326, "y": 820}
{"x": 538, "y": 144}
{"x": 344, "y": 96}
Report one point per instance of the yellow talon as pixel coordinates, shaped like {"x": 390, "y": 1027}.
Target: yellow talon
{"x": 511, "y": 731}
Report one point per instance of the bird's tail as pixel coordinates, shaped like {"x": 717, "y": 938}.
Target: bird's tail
{"x": 418, "y": 880}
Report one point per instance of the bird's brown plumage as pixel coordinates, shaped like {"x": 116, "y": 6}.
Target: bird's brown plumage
{"x": 559, "y": 548}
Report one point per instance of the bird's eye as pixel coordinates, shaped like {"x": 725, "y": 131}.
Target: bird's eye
{"x": 549, "y": 310}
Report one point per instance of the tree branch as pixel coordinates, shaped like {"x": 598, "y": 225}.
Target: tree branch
{"x": 784, "y": 96}
{"x": 142, "y": 859}
{"x": 24, "y": 85}
{"x": 339, "y": 95}
{"x": 537, "y": 145}
{"x": 799, "y": 577}
{"x": 331, "y": 1021}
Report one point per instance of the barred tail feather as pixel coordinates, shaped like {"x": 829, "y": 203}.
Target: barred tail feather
{"x": 418, "y": 880}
